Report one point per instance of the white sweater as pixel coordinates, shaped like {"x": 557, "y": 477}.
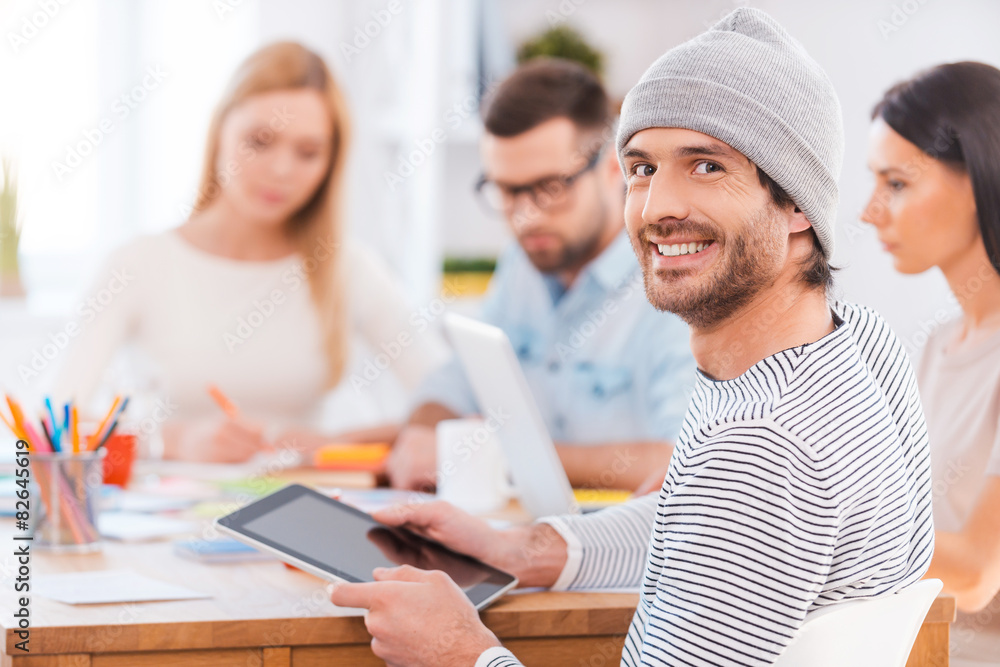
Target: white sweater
{"x": 249, "y": 327}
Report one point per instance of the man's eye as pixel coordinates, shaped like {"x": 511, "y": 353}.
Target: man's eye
{"x": 707, "y": 168}
{"x": 643, "y": 170}
{"x": 895, "y": 186}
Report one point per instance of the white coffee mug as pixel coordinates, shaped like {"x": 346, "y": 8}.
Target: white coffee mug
{"x": 471, "y": 470}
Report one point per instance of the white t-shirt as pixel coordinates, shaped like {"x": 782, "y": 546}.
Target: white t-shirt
{"x": 960, "y": 391}
{"x": 249, "y": 327}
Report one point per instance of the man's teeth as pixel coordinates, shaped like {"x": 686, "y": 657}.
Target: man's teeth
{"x": 676, "y": 249}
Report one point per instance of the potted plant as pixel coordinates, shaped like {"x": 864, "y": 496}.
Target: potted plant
{"x": 467, "y": 277}
{"x": 563, "y": 42}
{"x": 10, "y": 234}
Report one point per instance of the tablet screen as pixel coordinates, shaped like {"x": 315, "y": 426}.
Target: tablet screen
{"x": 349, "y": 544}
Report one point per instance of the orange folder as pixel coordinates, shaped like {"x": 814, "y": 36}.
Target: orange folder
{"x": 368, "y": 457}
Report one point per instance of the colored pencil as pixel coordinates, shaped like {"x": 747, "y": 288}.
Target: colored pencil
{"x": 8, "y": 424}
{"x": 114, "y": 424}
{"x": 18, "y": 416}
{"x": 53, "y": 477}
{"x": 15, "y": 411}
{"x": 56, "y": 433}
{"x": 48, "y": 435}
{"x": 223, "y": 402}
{"x": 74, "y": 428}
{"x": 93, "y": 439}
{"x": 35, "y": 440}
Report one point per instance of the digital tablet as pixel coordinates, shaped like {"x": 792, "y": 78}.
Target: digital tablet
{"x": 337, "y": 542}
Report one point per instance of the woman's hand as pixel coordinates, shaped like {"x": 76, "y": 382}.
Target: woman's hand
{"x": 222, "y": 440}
{"x": 301, "y": 441}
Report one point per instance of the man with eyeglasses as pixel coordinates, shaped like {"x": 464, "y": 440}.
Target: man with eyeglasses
{"x": 610, "y": 373}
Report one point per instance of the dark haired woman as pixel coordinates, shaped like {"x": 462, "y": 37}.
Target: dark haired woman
{"x": 935, "y": 153}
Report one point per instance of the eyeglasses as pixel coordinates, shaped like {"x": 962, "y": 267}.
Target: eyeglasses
{"x": 545, "y": 193}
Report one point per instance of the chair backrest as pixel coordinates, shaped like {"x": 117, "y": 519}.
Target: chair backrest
{"x": 863, "y": 633}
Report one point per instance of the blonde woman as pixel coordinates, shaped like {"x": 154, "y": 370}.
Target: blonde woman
{"x": 258, "y": 292}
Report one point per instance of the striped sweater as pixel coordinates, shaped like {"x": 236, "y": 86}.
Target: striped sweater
{"x": 802, "y": 483}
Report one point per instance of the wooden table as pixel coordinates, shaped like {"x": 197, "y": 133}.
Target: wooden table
{"x": 263, "y": 614}
{"x": 267, "y": 615}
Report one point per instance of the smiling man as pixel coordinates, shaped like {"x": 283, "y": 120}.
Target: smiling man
{"x": 801, "y": 477}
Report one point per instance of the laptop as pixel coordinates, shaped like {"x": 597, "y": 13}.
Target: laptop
{"x": 502, "y": 390}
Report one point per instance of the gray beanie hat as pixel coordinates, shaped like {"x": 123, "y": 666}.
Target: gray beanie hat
{"x": 749, "y": 83}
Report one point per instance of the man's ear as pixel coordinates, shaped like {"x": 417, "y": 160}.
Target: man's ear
{"x": 797, "y": 221}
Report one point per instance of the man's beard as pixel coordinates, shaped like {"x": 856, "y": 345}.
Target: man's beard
{"x": 572, "y": 254}
{"x": 750, "y": 263}
{"x": 568, "y": 256}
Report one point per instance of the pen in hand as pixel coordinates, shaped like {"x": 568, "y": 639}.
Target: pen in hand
{"x": 223, "y": 402}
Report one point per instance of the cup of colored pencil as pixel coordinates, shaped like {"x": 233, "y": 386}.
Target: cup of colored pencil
{"x": 67, "y": 490}
{"x": 67, "y": 473}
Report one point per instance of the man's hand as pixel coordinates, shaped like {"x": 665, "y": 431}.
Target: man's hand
{"x": 418, "y": 618}
{"x": 406, "y": 548}
{"x": 620, "y": 465}
{"x": 412, "y": 463}
{"x": 534, "y": 554}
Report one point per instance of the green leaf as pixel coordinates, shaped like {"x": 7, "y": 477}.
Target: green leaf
{"x": 563, "y": 42}
{"x": 10, "y": 219}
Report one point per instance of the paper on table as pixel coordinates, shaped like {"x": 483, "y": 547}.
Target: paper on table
{"x": 136, "y": 527}
{"x": 146, "y": 503}
{"x": 107, "y": 586}
{"x": 174, "y": 487}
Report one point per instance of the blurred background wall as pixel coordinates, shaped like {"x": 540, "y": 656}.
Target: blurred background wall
{"x": 106, "y": 104}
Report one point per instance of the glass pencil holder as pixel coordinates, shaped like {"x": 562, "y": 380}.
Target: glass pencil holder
{"x": 65, "y": 494}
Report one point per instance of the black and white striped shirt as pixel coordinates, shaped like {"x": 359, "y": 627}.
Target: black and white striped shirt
{"x": 802, "y": 483}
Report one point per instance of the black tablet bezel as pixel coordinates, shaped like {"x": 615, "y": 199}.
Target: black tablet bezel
{"x": 480, "y": 595}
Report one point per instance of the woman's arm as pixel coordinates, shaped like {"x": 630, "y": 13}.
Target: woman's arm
{"x": 968, "y": 561}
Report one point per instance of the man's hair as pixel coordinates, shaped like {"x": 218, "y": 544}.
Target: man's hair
{"x": 543, "y": 89}
{"x": 816, "y": 269}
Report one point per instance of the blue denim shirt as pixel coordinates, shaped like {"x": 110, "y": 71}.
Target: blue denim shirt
{"x": 602, "y": 363}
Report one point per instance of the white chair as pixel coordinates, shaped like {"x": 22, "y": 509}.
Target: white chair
{"x": 863, "y": 633}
